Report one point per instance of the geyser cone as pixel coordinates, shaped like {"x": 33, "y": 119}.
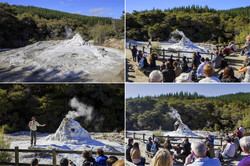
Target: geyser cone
{"x": 69, "y": 129}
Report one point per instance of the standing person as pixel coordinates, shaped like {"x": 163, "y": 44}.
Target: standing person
{"x": 33, "y": 130}
{"x": 101, "y": 158}
{"x": 88, "y": 159}
{"x": 149, "y": 144}
{"x": 186, "y": 147}
{"x": 242, "y": 129}
{"x": 184, "y": 64}
{"x": 128, "y": 149}
{"x": 134, "y": 52}
{"x": 139, "y": 55}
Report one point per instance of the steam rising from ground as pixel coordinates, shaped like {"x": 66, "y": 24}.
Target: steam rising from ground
{"x": 81, "y": 110}
{"x": 68, "y": 32}
{"x": 174, "y": 114}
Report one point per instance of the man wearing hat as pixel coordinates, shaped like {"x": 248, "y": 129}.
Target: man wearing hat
{"x": 33, "y": 129}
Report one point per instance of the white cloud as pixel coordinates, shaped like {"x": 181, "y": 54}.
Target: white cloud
{"x": 98, "y": 11}
{"x": 78, "y": 12}
{"x": 62, "y": 3}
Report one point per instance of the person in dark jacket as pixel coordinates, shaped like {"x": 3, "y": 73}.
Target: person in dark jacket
{"x": 228, "y": 75}
{"x": 171, "y": 60}
{"x": 149, "y": 144}
{"x": 128, "y": 149}
{"x": 168, "y": 73}
{"x": 184, "y": 64}
{"x": 139, "y": 56}
{"x": 134, "y": 52}
{"x": 186, "y": 147}
{"x": 88, "y": 159}
{"x": 101, "y": 158}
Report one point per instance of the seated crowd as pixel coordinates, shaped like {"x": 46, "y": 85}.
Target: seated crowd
{"x": 203, "y": 70}
{"x": 101, "y": 160}
{"x": 200, "y": 153}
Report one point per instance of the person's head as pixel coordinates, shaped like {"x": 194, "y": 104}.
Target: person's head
{"x": 111, "y": 160}
{"x": 169, "y": 66}
{"x": 228, "y": 140}
{"x": 162, "y": 158}
{"x": 155, "y": 76}
{"x": 202, "y": 59}
{"x": 210, "y": 136}
{"x": 34, "y": 162}
{"x": 184, "y": 58}
{"x": 230, "y": 43}
{"x": 171, "y": 56}
{"x": 186, "y": 140}
{"x": 133, "y": 46}
{"x": 194, "y": 54}
{"x": 85, "y": 154}
{"x": 136, "y": 145}
{"x": 198, "y": 53}
{"x": 208, "y": 70}
{"x": 178, "y": 145}
{"x": 175, "y": 64}
{"x": 156, "y": 140}
{"x": 64, "y": 162}
{"x": 245, "y": 144}
{"x": 140, "y": 51}
{"x": 221, "y": 51}
{"x": 208, "y": 145}
{"x": 150, "y": 139}
{"x": 199, "y": 149}
{"x": 216, "y": 53}
{"x": 100, "y": 152}
{"x": 228, "y": 72}
{"x": 241, "y": 125}
{"x": 33, "y": 118}
{"x": 206, "y": 139}
{"x": 130, "y": 141}
{"x": 120, "y": 162}
{"x": 207, "y": 60}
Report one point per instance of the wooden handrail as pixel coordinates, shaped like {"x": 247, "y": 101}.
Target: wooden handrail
{"x": 53, "y": 151}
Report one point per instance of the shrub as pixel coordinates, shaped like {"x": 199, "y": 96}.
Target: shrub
{"x": 4, "y": 144}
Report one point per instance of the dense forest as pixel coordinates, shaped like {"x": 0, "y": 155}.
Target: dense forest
{"x": 50, "y": 103}
{"x": 199, "y": 24}
{"x": 22, "y": 25}
{"x": 220, "y": 113}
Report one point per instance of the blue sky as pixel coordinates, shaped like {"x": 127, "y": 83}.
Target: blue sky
{"x": 164, "y": 4}
{"x": 103, "y": 8}
{"x": 132, "y": 90}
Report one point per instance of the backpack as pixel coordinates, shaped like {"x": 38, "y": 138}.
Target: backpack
{"x": 154, "y": 148}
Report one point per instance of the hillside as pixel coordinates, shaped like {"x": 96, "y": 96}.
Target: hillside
{"x": 199, "y": 24}
{"x": 23, "y": 25}
{"x": 198, "y": 112}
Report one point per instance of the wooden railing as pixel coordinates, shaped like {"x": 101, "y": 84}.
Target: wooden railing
{"x": 169, "y": 137}
{"x": 53, "y": 152}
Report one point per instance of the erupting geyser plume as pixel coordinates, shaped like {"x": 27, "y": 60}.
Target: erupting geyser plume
{"x": 174, "y": 114}
{"x": 81, "y": 110}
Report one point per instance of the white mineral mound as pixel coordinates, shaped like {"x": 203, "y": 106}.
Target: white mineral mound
{"x": 69, "y": 130}
{"x": 63, "y": 60}
{"x": 183, "y": 44}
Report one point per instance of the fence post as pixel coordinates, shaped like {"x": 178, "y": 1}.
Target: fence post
{"x": 126, "y": 134}
{"x": 153, "y": 136}
{"x": 179, "y": 54}
{"x": 221, "y": 141}
{"x": 163, "y": 52}
{"x": 134, "y": 135}
{"x": 16, "y": 156}
{"x": 143, "y": 49}
{"x": 150, "y": 50}
{"x": 143, "y": 137}
{"x": 54, "y": 157}
{"x": 211, "y": 55}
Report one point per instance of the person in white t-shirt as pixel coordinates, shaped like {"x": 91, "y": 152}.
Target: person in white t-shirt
{"x": 242, "y": 129}
{"x": 229, "y": 151}
{"x": 208, "y": 72}
{"x": 33, "y": 130}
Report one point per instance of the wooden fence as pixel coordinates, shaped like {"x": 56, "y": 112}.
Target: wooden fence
{"x": 169, "y": 137}
{"x": 53, "y": 152}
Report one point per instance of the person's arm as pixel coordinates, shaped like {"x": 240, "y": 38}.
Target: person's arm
{"x": 244, "y": 69}
{"x": 30, "y": 124}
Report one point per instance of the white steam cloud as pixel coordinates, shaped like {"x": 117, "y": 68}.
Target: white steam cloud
{"x": 81, "y": 110}
{"x": 174, "y": 114}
